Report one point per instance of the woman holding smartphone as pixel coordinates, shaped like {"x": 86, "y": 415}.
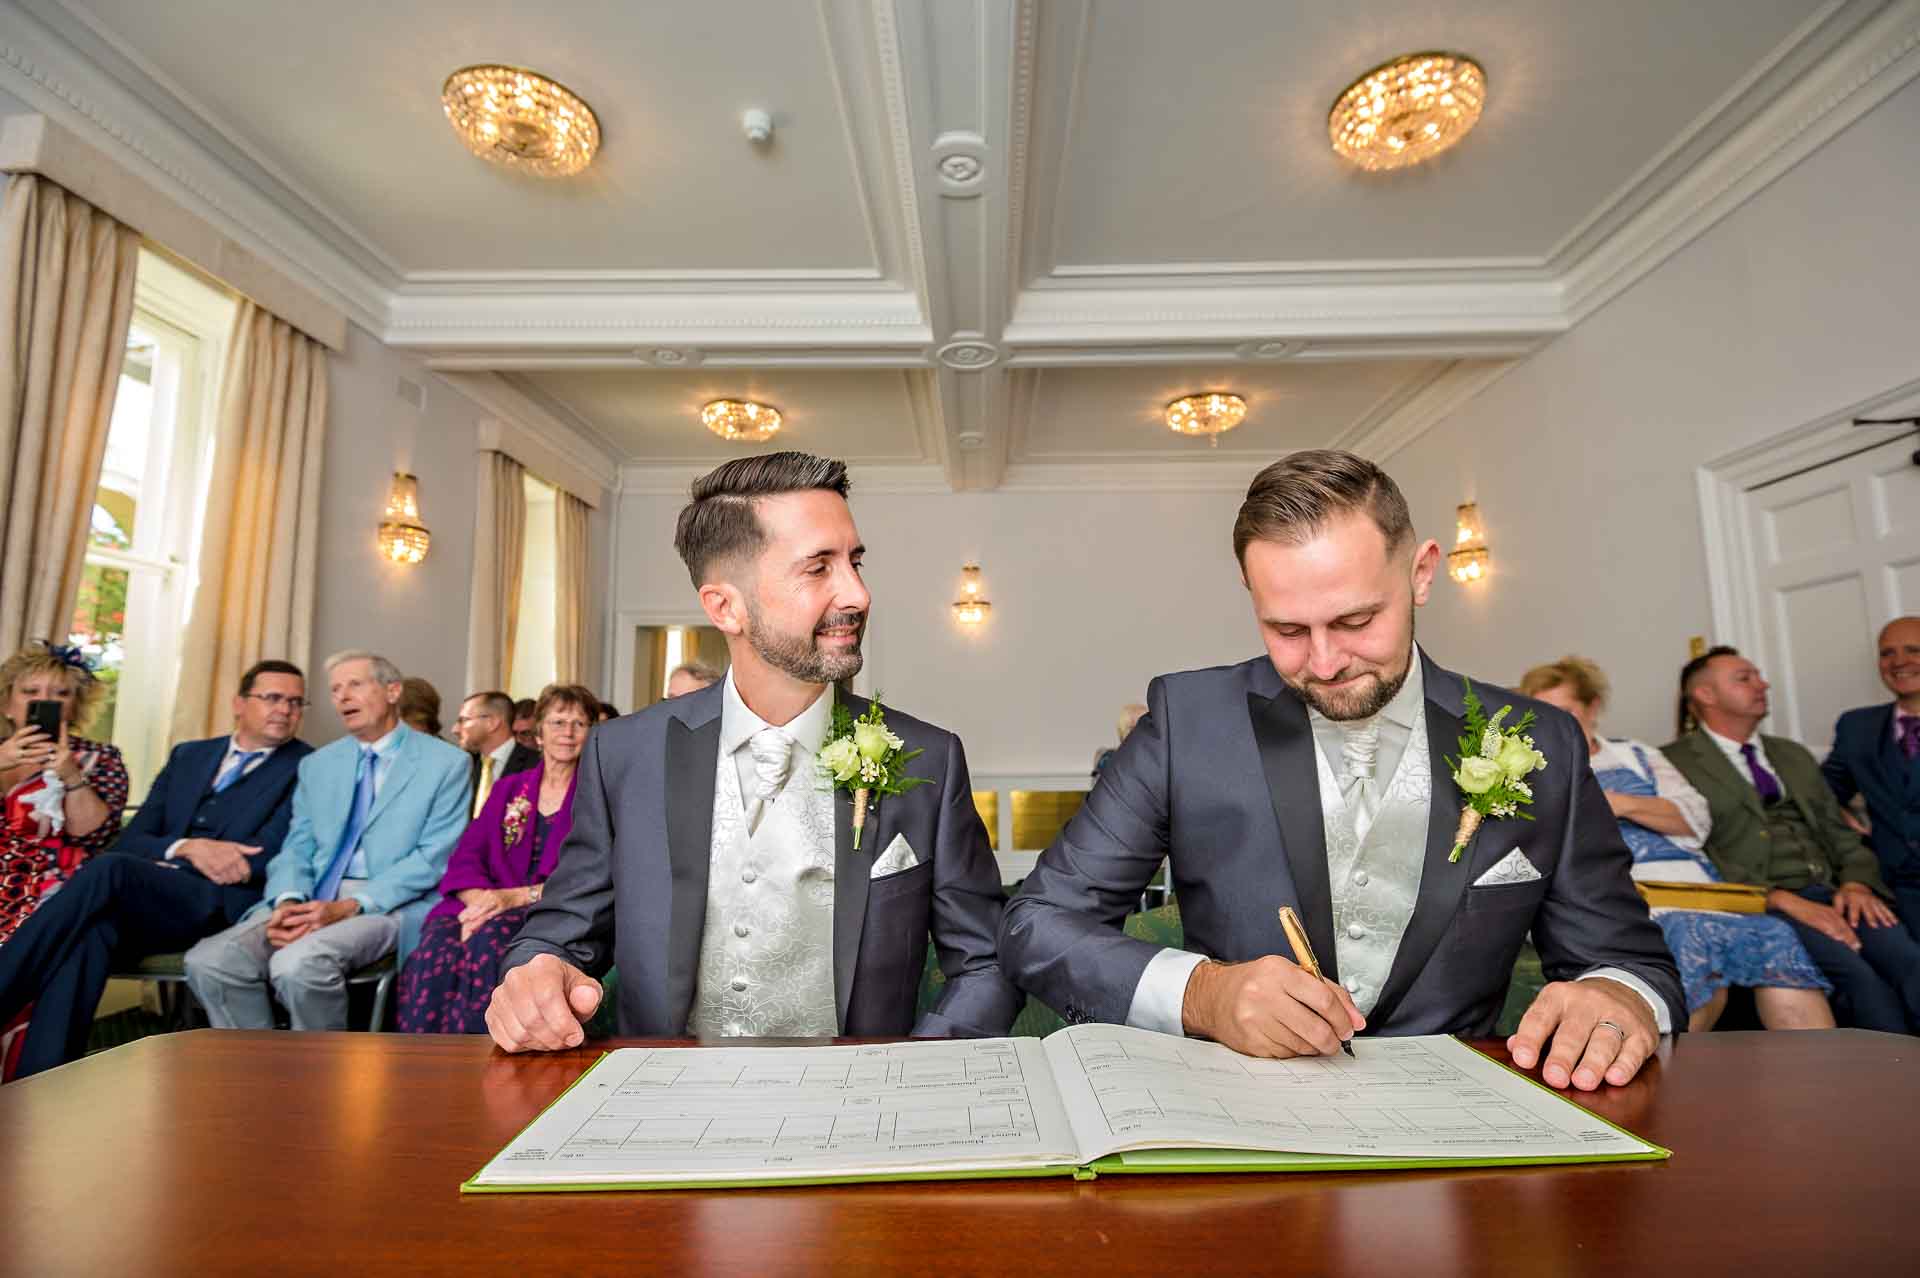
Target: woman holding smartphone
{"x": 63, "y": 793}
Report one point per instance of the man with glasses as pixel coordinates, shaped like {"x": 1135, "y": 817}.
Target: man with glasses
{"x": 191, "y": 861}
{"x": 484, "y": 729}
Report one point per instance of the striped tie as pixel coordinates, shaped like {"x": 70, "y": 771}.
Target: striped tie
{"x": 241, "y": 762}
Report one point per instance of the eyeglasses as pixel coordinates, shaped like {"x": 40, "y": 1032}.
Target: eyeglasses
{"x": 274, "y": 700}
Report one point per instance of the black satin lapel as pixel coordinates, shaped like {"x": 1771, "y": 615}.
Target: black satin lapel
{"x": 1442, "y": 882}
{"x": 1293, "y": 781}
{"x": 850, "y": 870}
{"x": 692, "y": 756}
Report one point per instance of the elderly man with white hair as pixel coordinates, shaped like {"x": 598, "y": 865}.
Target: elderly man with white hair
{"x": 375, "y": 816}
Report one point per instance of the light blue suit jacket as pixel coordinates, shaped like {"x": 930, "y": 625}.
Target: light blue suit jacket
{"x": 417, "y": 817}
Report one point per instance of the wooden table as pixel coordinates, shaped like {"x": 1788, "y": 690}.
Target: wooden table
{"x": 274, "y": 1154}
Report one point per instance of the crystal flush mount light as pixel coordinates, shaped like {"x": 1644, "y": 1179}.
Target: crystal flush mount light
{"x": 1407, "y": 110}
{"x": 521, "y": 119}
{"x": 1467, "y": 561}
{"x": 1210, "y": 413}
{"x": 403, "y": 538}
{"x": 741, "y": 420}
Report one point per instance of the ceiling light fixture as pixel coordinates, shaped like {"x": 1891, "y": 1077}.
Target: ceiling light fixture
{"x": 1407, "y": 110}
{"x": 741, "y": 420}
{"x": 1209, "y": 413}
{"x": 521, "y": 119}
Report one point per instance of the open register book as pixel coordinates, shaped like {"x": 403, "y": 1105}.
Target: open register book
{"x": 1089, "y": 1100}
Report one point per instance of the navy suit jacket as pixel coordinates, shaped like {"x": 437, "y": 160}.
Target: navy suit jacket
{"x": 631, "y": 886}
{"x": 254, "y": 810}
{"x": 1866, "y": 760}
{"x": 1220, "y": 778}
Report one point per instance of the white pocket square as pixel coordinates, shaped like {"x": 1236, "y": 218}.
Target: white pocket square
{"x": 1511, "y": 868}
{"x": 898, "y": 856}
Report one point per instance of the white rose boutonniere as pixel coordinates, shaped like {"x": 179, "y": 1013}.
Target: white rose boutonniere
{"x": 1492, "y": 769}
{"x": 863, "y": 756}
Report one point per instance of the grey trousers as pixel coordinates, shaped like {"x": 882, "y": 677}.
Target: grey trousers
{"x": 231, "y": 970}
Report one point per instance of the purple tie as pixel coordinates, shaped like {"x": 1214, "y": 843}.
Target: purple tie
{"x": 1910, "y": 735}
{"x": 1764, "y": 781}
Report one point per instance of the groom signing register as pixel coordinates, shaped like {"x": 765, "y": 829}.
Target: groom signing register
{"x": 1317, "y": 777}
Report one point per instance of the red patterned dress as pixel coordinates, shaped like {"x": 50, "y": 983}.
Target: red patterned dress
{"x": 33, "y": 868}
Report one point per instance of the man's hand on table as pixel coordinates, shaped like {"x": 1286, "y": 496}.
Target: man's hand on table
{"x": 541, "y": 1005}
{"x": 1599, "y": 1029}
{"x": 1268, "y": 1007}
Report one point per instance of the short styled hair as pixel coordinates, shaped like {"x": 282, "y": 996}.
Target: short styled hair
{"x": 384, "y": 671}
{"x": 1583, "y": 677}
{"x": 524, "y": 708}
{"x": 720, "y": 523}
{"x": 1690, "y": 676}
{"x": 497, "y": 704}
{"x": 1293, "y": 500}
{"x": 567, "y": 696}
{"x": 259, "y": 668}
{"x": 420, "y": 705}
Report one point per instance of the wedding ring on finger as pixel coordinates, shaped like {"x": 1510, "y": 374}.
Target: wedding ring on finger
{"x": 1614, "y": 1026}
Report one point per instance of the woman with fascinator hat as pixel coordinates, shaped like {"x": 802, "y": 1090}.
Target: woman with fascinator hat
{"x": 63, "y": 798}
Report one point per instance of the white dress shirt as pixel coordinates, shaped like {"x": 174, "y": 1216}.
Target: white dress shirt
{"x": 1161, "y": 991}
{"x": 1737, "y": 757}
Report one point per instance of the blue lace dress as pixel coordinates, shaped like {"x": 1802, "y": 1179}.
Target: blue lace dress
{"x": 1713, "y": 949}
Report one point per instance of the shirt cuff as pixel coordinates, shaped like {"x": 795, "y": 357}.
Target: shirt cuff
{"x": 173, "y": 849}
{"x": 1162, "y": 990}
{"x": 1662, "y": 1019}
{"x": 366, "y": 903}
{"x": 284, "y": 897}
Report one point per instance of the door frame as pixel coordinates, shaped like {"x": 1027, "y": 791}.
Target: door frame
{"x": 1733, "y": 574}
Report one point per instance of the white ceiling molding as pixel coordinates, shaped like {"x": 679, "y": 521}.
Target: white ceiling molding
{"x": 33, "y": 144}
{"x": 46, "y": 73}
{"x": 558, "y": 451}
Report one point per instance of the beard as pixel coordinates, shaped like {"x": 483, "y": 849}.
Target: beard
{"x": 800, "y": 656}
{"x": 1365, "y": 699}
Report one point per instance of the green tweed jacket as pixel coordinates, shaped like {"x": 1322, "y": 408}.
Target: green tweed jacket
{"x": 1739, "y": 841}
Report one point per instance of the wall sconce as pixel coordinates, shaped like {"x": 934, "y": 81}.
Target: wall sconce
{"x": 1467, "y": 561}
{"x": 971, "y": 608}
{"x": 403, "y": 538}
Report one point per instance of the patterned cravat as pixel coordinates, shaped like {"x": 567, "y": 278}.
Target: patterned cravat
{"x": 772, "y": 761}
{"x": 1910, "y": 735}
{"x": 1359, "y": 748}
{"x": 241, "y": 762}
{"x": 1764, "y": 781}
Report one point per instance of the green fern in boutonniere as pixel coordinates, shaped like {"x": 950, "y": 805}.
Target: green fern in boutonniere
{"x": 862, "y": 756}
{"x": 1491, "y": 770}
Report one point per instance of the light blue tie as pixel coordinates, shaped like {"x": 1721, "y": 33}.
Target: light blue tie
{"x": 241, "y": 762}
{"x": 356, "y": 823}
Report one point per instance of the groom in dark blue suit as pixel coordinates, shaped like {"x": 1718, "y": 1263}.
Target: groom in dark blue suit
{"x": 192, "y": 861}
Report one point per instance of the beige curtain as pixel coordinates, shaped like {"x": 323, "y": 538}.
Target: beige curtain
{"x": 570, "y": 587}
{"x": 66, "y": 286}
{"x": 261, "y": 521}
{"x": 499, "y": 554}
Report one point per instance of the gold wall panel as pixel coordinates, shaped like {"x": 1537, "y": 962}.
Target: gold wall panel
{"x": 987, "y": 803}
{"x": 1038, "y": 815}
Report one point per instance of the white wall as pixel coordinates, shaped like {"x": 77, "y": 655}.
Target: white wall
{"x": 1583, "y": 459}
{"x": 415, "y": 616}
{"x": 1093, "y": 595}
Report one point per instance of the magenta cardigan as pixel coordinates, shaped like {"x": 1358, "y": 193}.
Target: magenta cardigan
{"x": 483, "y": 858}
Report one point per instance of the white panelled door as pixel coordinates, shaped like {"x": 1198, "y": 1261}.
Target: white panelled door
{"x": 1835, "y": 553}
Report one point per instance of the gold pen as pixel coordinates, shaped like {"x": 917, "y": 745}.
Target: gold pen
{"x": 1303, "y": 953}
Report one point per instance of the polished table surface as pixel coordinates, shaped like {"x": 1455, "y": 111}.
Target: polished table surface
{"x": 226, "y": 1152}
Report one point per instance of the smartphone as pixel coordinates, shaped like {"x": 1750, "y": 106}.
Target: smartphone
{"x": 45, "y": 715}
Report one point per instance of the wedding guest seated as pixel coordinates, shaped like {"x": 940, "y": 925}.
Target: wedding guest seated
{"x": 484, "y": 729}
{"x": 375, "y": 817}
{"x": 496, "y": 872}
{"x": 63, "y": 793}
{"x": 1665, "y": 821}
{"x": 420, "y": 705}
{"x": 1876, "y": 755}
{"x": 1129, "y": 715}
{"x": 523, "y": 723}
{"x": 1776, "y": 824}
{"x": 192, "y": 861}
{"x": 691, "y": 676}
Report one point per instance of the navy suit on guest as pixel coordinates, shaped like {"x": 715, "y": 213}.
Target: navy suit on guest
{"x": 1867, "y": 760}
{"x": 132, "y": 901}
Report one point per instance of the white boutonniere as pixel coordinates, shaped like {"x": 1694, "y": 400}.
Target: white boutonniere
{"x": 862, "y": 756}
{"x": 1491, "y": 770}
